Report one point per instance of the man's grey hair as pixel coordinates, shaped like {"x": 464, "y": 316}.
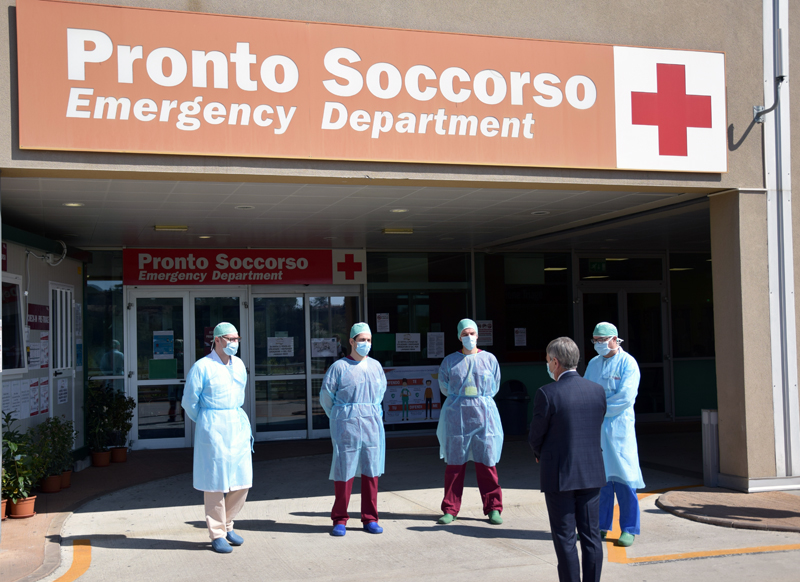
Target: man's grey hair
{"x": 565, "y": 351}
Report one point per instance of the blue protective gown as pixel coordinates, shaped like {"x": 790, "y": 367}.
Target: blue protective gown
{"x": 469, "y": 424}
{"x": 351, "y": 395}
{"x": 619, "y": 376}
{"x": 213, "y": 398}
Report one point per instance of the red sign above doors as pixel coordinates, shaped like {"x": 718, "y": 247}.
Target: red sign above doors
{"x": 242, "y": 267}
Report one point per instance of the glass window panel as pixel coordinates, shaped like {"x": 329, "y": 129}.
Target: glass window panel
{"x": 651, "y": 391}
{"x": 158, "y": 314}
{"x": 644, "y": 327}
{"x": 13, "y": 339}
{"x": 692, "y": 305}
{"x": 620, "y": 269}
{"x": 104, "y": 337}
{"x": 279, "y": 318}
{"x": 208, "y": 312}
{"x": 331, "y": 320}
{"x": 319, "y": 420}
{"x": 160, "y": 412}
{"x": 280, "y": 405}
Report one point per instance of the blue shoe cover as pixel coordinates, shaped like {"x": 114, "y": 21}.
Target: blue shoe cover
{"x": 373, "y": 527}
{"x": 221, "y": 546}
{"x": 234, "y": 538}
{"x": 339, "y": 530}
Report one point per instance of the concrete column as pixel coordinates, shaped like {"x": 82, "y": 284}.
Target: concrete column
{"x": 742, "y": 332}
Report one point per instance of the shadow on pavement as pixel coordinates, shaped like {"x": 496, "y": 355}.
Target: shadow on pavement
{"x": 121, "y": 542}
{"x": 471, "y": 531}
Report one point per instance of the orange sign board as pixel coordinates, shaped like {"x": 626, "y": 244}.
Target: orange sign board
{"x": 117, "y": 79}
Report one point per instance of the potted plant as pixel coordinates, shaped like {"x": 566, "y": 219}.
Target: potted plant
{"x": 98, "y": 403}
{"x": 120, "y": 424}
{"x": 45, "y": 443}
{"x": 3, "y": 487}
{"x": 66, "y": 440}
{"x": 19, "y": 470}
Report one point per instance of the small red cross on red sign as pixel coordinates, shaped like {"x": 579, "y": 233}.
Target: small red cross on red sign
{"x": 349, "y": 267}
{"x": 671, "y": 109}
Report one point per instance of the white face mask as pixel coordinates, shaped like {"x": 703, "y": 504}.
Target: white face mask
{"x": 469, "y": 342}
{"x": 231, "y": 348}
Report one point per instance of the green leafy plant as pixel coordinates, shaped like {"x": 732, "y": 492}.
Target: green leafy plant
{"x": 120, "y": 418}
{"x": 19, "y": 466}
{"x": 98, "y": 427}
{"x": 52, "y": 442}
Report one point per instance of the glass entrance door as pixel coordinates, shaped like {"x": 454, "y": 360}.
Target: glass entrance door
{"x": 169, "y": 332}
{"x": 296, "y": 339}
{"x": 640, "y": 315}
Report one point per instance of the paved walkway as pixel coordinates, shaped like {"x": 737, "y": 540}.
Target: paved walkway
{"x": 771, "y": 511}
{"x": 155, "y": 531}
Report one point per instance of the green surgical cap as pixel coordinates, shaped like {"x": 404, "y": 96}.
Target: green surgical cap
{"x": 224, "y": 328}
{"x": 464, "y": 324}
{"x": 359, "y": 328}
{"x": 605, "y": 329}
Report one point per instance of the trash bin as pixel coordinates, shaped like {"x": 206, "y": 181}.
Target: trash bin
{"x": 512, "y": 403}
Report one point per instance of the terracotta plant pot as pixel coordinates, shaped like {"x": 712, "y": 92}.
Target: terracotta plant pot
{"x": 101, "y": 459}
{"x": 51, "y": 484}
{"x": 22, "y": 508}
{"x": 66, "y": 479}
{"x": 119, "y": 454}
{"x": 4, "y": 503}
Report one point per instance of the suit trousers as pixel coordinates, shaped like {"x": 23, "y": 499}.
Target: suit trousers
{"x": 567, "y": 511}
{"x": 221, "y": 509}
{"x": 369, "y": 500}
{"x": 488, "y": 485}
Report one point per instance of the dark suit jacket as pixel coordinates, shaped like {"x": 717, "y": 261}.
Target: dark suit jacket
{"x": 565, "y": 433}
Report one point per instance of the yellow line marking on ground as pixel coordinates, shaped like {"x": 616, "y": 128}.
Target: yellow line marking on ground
{"x": 619, "y": 555}
{"x": 81, "y": 559}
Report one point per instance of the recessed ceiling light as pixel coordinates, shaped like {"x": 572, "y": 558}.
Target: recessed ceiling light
{"x": 555, "y": 268}
{"x": 399, "y": 210}
{"x": 617, "y": 259}
{"x": 244, "y": 207}
{"x": 204, "y": 236}
{"x": 540, "y": 212}
{"x": 398, "y": 231}
{"x": 682, "y": 269}
{"x": 170, "y": 228}
{"x": 597, "y": 277}
{"x": 73, "y": 204}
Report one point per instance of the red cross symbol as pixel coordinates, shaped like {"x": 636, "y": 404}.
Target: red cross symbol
{"x": 671, "y": 109}
{"x": 349, "y": 266}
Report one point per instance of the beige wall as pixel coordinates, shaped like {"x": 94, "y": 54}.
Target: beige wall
{"x": 741, "y": 323}
{"x": 688, "y": 24}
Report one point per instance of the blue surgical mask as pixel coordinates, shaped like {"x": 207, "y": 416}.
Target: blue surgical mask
{"x": 231, "y": 348}
{"x": 550, "y": 372}
{"x": 363, "y": 348}
{"x": 602, "y": 349}
{"x": 469, "y": 342}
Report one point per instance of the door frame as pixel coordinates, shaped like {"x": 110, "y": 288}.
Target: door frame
{"x": 69, "y": 371}
{"x": 187, "y": 295}
{"x": 622, "y": 288}
{"x": 305, "y": 291}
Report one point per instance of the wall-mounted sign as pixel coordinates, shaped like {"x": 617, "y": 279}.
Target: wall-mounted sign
{"x": 243, "y": 267}
{"x": 120, "y": 79}
{"x": 38, "y": 316}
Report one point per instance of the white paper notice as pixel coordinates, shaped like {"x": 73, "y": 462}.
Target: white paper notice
{"x": 44, "y": 396}
{"x": 407, "y": 342}
{"x": 16, "y": 399}
{"x": 435, "y": 344}
{"x": 520, "y": 336}
{"x": 323, "y": 347}
{"x": 6, "y": 397}
{"x": 36, "y": 356}
{"x": 78, "y": 320}
{"x": 33, "y": 397}
{"x": 63, "y": 390}
{"x": 382, "y": 320}
{"x": 44, "y": 350}
{"x": 280, "y": 347}
{"x": 485, "y": 332}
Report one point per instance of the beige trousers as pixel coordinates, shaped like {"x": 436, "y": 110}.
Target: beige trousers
{"x": 221, "y": 509}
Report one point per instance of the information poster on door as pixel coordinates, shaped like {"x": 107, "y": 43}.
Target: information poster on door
{"x": 412, "y": 395}
{"x": 44, "y": 395}
{"x": 163, "y": 345}
{"x": 280, "y": 347}
{"x": 33, "y": 397}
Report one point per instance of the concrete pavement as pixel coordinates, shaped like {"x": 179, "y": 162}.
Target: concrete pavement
{"x": 156, "y": 531}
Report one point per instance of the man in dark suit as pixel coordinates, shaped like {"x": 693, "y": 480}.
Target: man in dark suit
{"x": 565, "y": 438}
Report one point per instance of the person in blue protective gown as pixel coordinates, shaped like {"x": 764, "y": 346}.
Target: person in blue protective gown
{"x": 223, "y": 464}
{"x": 351, "y": 395}
{"x": 469, "y": 424}
{"x": 618, "y": 373}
